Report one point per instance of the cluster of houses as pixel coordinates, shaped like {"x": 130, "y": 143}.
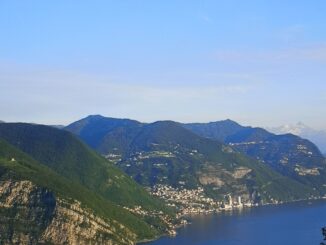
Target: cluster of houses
{"x": 189, "y": 201}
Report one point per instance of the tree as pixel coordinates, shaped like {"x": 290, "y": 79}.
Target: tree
{"x": 323, "y": 230}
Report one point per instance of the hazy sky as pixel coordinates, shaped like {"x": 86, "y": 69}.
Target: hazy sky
{"x": 261, "y": 63}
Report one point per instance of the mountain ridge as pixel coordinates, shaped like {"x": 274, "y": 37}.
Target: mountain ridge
{"x": 166, "y": 152}
{"x": 288, "y": 154}
{"x": 300, "y": 129}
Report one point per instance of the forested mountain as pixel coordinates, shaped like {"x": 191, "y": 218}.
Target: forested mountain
{"x": 75, "y": 177}
{"x": 97, "y": 131}
{"x": 288, "y": 154}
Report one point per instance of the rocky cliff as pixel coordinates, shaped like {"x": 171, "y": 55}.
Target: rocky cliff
{"x": 30, "y": 215}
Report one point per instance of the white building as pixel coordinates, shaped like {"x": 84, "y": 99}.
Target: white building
{"x": 239, "y": 201}
{"x": 230, "y": 200}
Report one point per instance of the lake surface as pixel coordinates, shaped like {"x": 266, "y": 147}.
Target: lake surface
{"x": 297, "y": 223}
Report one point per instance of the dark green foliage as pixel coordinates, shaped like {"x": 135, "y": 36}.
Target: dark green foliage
{"x": 323, "y": 231}
{"x": 167, "y": 135}
{"x": 68, "y": 156}
{"x": 97, "y": 132}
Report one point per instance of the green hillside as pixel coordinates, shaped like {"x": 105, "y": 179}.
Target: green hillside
{"x": 68, "y": 157}
{"x": 287, "y": 154}
{"x": 97, "y": 131}
{"x": 24, "y": 167}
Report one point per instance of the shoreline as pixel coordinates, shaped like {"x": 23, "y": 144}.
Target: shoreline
{"x": 226, "y": 210}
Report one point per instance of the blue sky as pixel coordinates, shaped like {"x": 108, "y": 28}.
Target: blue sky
{"x": 261, "y": 63}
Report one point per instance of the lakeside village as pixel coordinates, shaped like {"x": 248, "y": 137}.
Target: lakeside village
{"x": 187, "y": 202}
{"x": 194, "y": 201}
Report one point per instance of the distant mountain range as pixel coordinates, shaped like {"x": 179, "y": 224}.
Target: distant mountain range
{"x": 52, "y": 182}
{"x": 222, "y": 157}
{"x": 300, "y": 129}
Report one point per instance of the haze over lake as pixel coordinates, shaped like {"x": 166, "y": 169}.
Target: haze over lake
{"x": 296, "y": 223}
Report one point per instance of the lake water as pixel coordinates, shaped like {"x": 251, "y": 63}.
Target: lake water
{"x": 297, "y": 223}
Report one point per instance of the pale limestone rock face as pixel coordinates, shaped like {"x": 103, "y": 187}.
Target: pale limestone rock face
{"x": 15, "y": 192}
{"x": 25, "y": 210}
{"x": 241, "y": 172}
{"x": 30, "y": 214}
{"x": 81, "y": 227}
{"x": 214, "y": 176}
{"x": 306, "y": 171}
{"x": 210, "y": 180}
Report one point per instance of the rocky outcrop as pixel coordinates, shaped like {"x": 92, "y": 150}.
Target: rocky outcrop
{"x": 25, "y": 211}
{"x": 30, "y": 215}
{"x": 306, "y": 171}
{"x": 210, "y": 180}
{"x": 80, "y": 226}
{"x": 219, "y": 176}
{"x": 241, "y": 172}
